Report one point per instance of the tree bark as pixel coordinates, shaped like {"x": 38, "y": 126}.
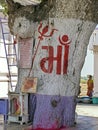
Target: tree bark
{"x": 61, "y": 36}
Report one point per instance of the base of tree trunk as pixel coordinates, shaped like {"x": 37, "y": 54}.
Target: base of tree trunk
{"x": 54, "y": 112}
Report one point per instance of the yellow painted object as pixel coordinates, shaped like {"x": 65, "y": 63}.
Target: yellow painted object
{"x": 18, "y": 111}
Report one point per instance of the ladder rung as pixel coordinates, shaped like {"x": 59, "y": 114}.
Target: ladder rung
{"x": 13, "y": 80}
{"x": 6, "y": 33}
{"x": 11, "y": 57}
{"x": 2, "y": 57}
{"x": 13, "y": 86}
{"x": 11, "y": 54}
{"x": 4, "y": 21}
{"x": 12, "y": 65}
{"x": 9, "y": 44}
{"x": 2, "y": 42}
{"x": 13, "y": 75}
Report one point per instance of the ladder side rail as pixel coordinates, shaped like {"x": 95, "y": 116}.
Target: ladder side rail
{"x": 6, "y": 53}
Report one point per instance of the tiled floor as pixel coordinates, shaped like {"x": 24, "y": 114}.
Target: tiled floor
{"x": 87, "y": 119}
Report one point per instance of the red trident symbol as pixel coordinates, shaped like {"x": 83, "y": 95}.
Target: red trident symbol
{"x": 44, "y": 31}
{"x": 42, "y": 34}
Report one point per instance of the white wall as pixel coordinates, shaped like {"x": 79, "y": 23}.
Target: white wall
{"x": 95, "y": 73}
{"x": 94, "y": 46}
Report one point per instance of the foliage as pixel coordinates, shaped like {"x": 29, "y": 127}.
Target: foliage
{"x": 4, "y": 5}
{"x": 83, "y": 81}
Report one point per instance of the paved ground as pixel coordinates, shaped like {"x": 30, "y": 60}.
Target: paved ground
{"x": 87, "y": 119}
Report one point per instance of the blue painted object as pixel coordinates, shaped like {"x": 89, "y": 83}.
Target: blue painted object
{"x": 95, "y": 100}
{"x": 4, "y": 108}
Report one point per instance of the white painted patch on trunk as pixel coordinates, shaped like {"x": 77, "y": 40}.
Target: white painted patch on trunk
{"x": 50, "y": 39}
{"x": 23, "y": 27}
{"x": 78, "y": 33}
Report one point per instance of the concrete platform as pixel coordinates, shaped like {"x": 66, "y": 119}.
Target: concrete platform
{"x": 87, "y": 119}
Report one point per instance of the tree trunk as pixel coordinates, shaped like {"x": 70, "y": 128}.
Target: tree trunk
{"x": 60, "y": 45}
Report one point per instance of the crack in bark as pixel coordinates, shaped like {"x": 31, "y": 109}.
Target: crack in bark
{"x": 73, "y": 55}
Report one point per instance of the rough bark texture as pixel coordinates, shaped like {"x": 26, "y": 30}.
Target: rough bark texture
{"x": 61, "y": 31}
{"x": 84, "y": 10}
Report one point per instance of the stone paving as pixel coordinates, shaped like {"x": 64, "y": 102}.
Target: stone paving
{"x": 87, "y": 119}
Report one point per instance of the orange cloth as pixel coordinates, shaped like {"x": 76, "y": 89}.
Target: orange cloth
{"x": 90, "y": 87}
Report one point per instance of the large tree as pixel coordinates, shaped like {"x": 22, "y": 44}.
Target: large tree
{"x": 56, "y": 33}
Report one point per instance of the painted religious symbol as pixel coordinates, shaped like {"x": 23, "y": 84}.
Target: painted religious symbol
{"x": 61, "y": 50}
{"x": 61, "y": 68}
